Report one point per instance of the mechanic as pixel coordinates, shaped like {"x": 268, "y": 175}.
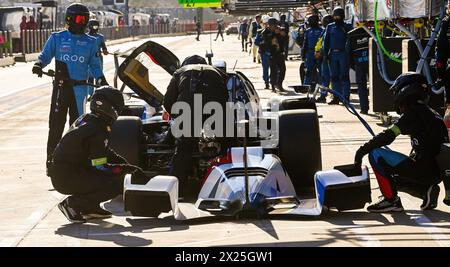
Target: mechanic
{"x": 418, "y": 174}
{"x": 312, "y": 35}
{"x": 85, "y": 167}
{"x": 94, "y": 26}
{"x": 273, "y": 36}
{"x": 75, "y": 52}
{"x": 334, "y": 48}
{"x": 256, "y": 26}
{"x": 324, "y": 67}
{"x": 358, "y": 46}
{"x": 194, "y": 77}
{"x": 198, "y": 28}
{"x": 263, "y": 50}
{"x": 220, "y": 28}
{"x": 285, "y": 40}
{"x": 243, "y": 32}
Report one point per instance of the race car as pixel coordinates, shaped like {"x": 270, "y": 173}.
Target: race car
{"x": 271, "y": 173}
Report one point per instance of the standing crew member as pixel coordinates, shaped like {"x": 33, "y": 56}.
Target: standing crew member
{"x": 256, "y": 26}
{"x": 312, "y": 35}
{"x": 334, "y": 45}
{"x": 358, "y": 45}
{"x": 285, "y": 26}
{"x": 418, "y": 174}
{"x": 263, "y": 49}
{"x": 198, "y": 28}
{"x": 94, "y": 26}
{"x": 85, "y": 167}
{"x": 220, "y": 27}
{"x": 324, "y": 67}
{"x": 243, "y": 32}
{"x": 273, "y": 39}
{"x": 75, "y": 52}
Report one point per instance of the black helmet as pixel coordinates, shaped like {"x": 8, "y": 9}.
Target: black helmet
{"x": 338, "y": 12}
{"x": 107, "y": 102}
{"x": 94, "y": 25}
{"x": 327, "y": 20}
{"x": 195, "y": 59}
{"x": 313, "y": 21}
{"x": 408, "y": 88}
{"x": 77, "y": 18}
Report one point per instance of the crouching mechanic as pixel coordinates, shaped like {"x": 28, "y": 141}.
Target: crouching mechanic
{"x": 418, "y": 174}
{"x": 75, "y": 52}
{"x": 85, "y": 167}
{"x": 195, "y": 77}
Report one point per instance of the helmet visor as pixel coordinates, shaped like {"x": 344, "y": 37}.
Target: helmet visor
{"x": 81, "y": 20}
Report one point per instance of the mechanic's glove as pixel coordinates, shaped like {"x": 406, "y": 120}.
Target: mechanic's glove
{"x": 105, "y": 52}
{"x": 37, "y": 69}
{"x": 102, "y": 81}
{"x": 383, "y": 139}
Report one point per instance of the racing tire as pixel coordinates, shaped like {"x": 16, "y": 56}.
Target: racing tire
{"x": 297, "y": 103}
{"x": 126, "y": 139}
{"x": 299, "y": 146}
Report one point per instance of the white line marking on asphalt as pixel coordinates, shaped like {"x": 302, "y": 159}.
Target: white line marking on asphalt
{"x": 25, "y": 89}
{"x": 369, "y": 241}
{"x": 426, "y": 224}
{"x": 24, "y": 106}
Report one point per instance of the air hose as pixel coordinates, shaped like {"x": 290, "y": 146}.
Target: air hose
{"x": 380, "y": 59}
{"x": 391, "y": 57}
{"x": 349, "y": 107}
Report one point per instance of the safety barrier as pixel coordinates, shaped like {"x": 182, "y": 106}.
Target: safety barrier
{"x": 25, "y": 45}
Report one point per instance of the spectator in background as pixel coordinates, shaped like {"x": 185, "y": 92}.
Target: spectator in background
{"x": 32, "y": 25}
{"x": 23, "y": 24}
{"x": 263, "y": 49}
{"x": 243, "y": 32}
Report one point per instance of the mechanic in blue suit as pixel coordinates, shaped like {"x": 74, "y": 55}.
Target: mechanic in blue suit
{"x": 94, "y": 25}
{"x": 312, "y": 35}
{"x": 75, "y": 52}
{"x": 334, "y": 45}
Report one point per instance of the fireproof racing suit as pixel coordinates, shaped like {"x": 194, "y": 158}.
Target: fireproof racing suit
{"x": 101, "y": 47}
{"x": 78, "y": 53}
{"x": 85, "y": 167}
{"x": 312, "y": 35}
{"x": 414, "y": 174}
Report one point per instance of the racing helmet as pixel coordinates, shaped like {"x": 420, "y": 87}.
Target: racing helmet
{"x": 77, "y": 18}
{"x": 192, "y": 60}
{"x": 338, "y": 13}
{"x": 313, "y": 21}
{"x": 409, "y": 88}
{"x": 107, "y": 102}
{"x": 94, "y": 25}
{"x": 327, "y": 19}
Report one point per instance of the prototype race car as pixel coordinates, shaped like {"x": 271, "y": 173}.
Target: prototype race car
{"x": 276, "y": 173}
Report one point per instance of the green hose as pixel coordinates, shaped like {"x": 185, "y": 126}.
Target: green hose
{"x": 391, "y": 57}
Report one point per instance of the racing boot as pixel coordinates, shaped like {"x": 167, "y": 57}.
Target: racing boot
{"x": 386, "y": 205}
{"x": 71, "y": 214}
{"x": 96, "y": 213}
{"x": 430, "y": 198}
{"x": 335, "y": 101}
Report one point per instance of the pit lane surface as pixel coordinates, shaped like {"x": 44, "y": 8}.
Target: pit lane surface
{"x": 29, "y": 216}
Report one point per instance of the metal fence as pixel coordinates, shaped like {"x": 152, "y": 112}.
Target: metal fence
{"x": 33, "y": 41}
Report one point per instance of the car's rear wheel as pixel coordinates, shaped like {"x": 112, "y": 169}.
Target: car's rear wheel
{"x": 299, "y": 146}
{"x": 126, "y": 139}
